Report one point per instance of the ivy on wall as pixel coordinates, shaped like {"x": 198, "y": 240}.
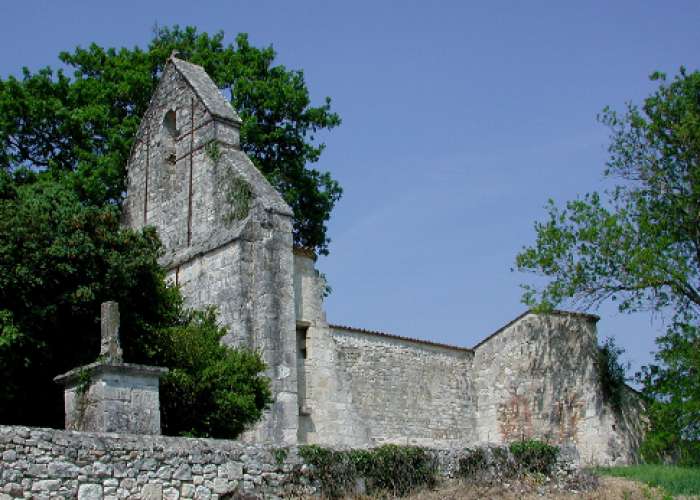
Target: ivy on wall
{"x": 239, "y": 197}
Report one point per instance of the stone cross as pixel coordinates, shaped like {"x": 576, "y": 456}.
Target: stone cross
{"x": 110, "y": 350}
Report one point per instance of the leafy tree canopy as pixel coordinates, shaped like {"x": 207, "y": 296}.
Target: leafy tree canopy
{"x": 639, "y": 244}
{"x": 59, "y": 259}
{"x": 673, "y": 387}
{"x": 81, "y": 126}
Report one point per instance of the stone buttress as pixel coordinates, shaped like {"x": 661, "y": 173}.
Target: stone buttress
{"x": 227, "y": 233}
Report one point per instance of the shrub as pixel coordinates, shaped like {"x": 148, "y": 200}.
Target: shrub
{"x": 534, "y": 456}
{"x": 400, "y": 469}
{"x": 334, "y": 470}
{"x": 475, "y": 465}
{"x": 392, "y": 469}
{"x": 211, "y": 390}
{"x": 489, "y": 465}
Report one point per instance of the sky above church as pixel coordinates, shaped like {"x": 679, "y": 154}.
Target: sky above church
{"x": 460, "y": 120}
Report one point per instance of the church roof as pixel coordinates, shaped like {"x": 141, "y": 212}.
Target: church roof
{"x": 399, "y": 337}
{"x": 206, "y": 90}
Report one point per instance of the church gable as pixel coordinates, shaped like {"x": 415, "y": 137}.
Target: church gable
{"x": 187, "y": 175}
{"x": 206, "y": 90}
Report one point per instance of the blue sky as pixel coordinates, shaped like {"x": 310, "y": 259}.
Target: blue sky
{"x": 460, "y": 119}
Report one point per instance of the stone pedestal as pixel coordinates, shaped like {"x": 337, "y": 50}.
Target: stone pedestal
{"x": 113, "y": 397}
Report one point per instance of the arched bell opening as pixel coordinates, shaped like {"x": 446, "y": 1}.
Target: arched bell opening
{"x": 168, "y": 135}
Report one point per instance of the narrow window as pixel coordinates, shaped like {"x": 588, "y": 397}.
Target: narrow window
{"x": 168, "y": 134}
{"x": 301, "y": 366}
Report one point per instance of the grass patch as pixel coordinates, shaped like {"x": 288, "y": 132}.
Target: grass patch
{"x": 673, "y": 479}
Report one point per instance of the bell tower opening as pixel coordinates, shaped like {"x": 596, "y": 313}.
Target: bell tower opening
{"x": 168, "y": 135}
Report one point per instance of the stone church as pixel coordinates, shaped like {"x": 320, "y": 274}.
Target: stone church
{"x": 228, "y": 240}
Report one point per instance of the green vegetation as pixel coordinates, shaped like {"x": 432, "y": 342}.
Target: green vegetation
{"x": 64, "y": 145}
{"x": 612, "y": 373}
{"x": 400, "y": 470}
{"x": 639, "y": 244}
{"x": 389, "y": 469}
{"x": 492, "y": 465}
{"x": 210, "y": 390}
{"x": 280, "y": 455}
{"x": 81, "y": 127}
{"x": 673, "y": 388}
{"x": 534, "y": 456}
{"x": 213, "y": 151}
{"x": 239, "y": 197}
{"x": 672, "y": 479}
{"x": 61, "y": 258}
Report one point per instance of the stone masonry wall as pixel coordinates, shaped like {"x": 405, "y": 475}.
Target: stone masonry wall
{"x": 537, "y": 378}
{"x": 363, "y": 389}
{"x": 51, "y": 464}
{"x": 405, "y": 392}
{"x": 119, "y": 398}
{"x": 226, "y": 232}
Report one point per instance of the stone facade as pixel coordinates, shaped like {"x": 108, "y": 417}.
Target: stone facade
{"x": 538, "y": 377}
{"x": 534, "y": 378}
{"x": 226, "y": 231}
{"x": 228, "y": 241}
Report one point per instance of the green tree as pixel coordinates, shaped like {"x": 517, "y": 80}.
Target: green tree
{"x": 81, "y": 127}
{"x": 673, "y": 387}
{"x": 639, "y": 243}
{"x": 211, "y": 390}
{"x": 59, "y": 259}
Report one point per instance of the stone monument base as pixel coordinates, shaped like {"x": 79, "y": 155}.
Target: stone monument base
{"x": 113, "y": 397}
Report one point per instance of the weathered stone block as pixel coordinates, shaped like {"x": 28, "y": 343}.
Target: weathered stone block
{"x": 187, "y": 491}
{"x": 152, "y": 492}
{"x": 183, "y": 473}
{"x": 62, "y": 469}
{"x": 231, "y": 470}
{"x": 113, "y": 397}
{"x": 46, "y": 485}
{"x": 171, "y": 494}
{"x": 90, "y": 492}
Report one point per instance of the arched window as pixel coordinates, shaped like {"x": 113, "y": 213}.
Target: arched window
{"x": 168, "y": 134}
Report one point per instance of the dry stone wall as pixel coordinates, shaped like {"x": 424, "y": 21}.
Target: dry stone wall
{"x": 51, "y": 464}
